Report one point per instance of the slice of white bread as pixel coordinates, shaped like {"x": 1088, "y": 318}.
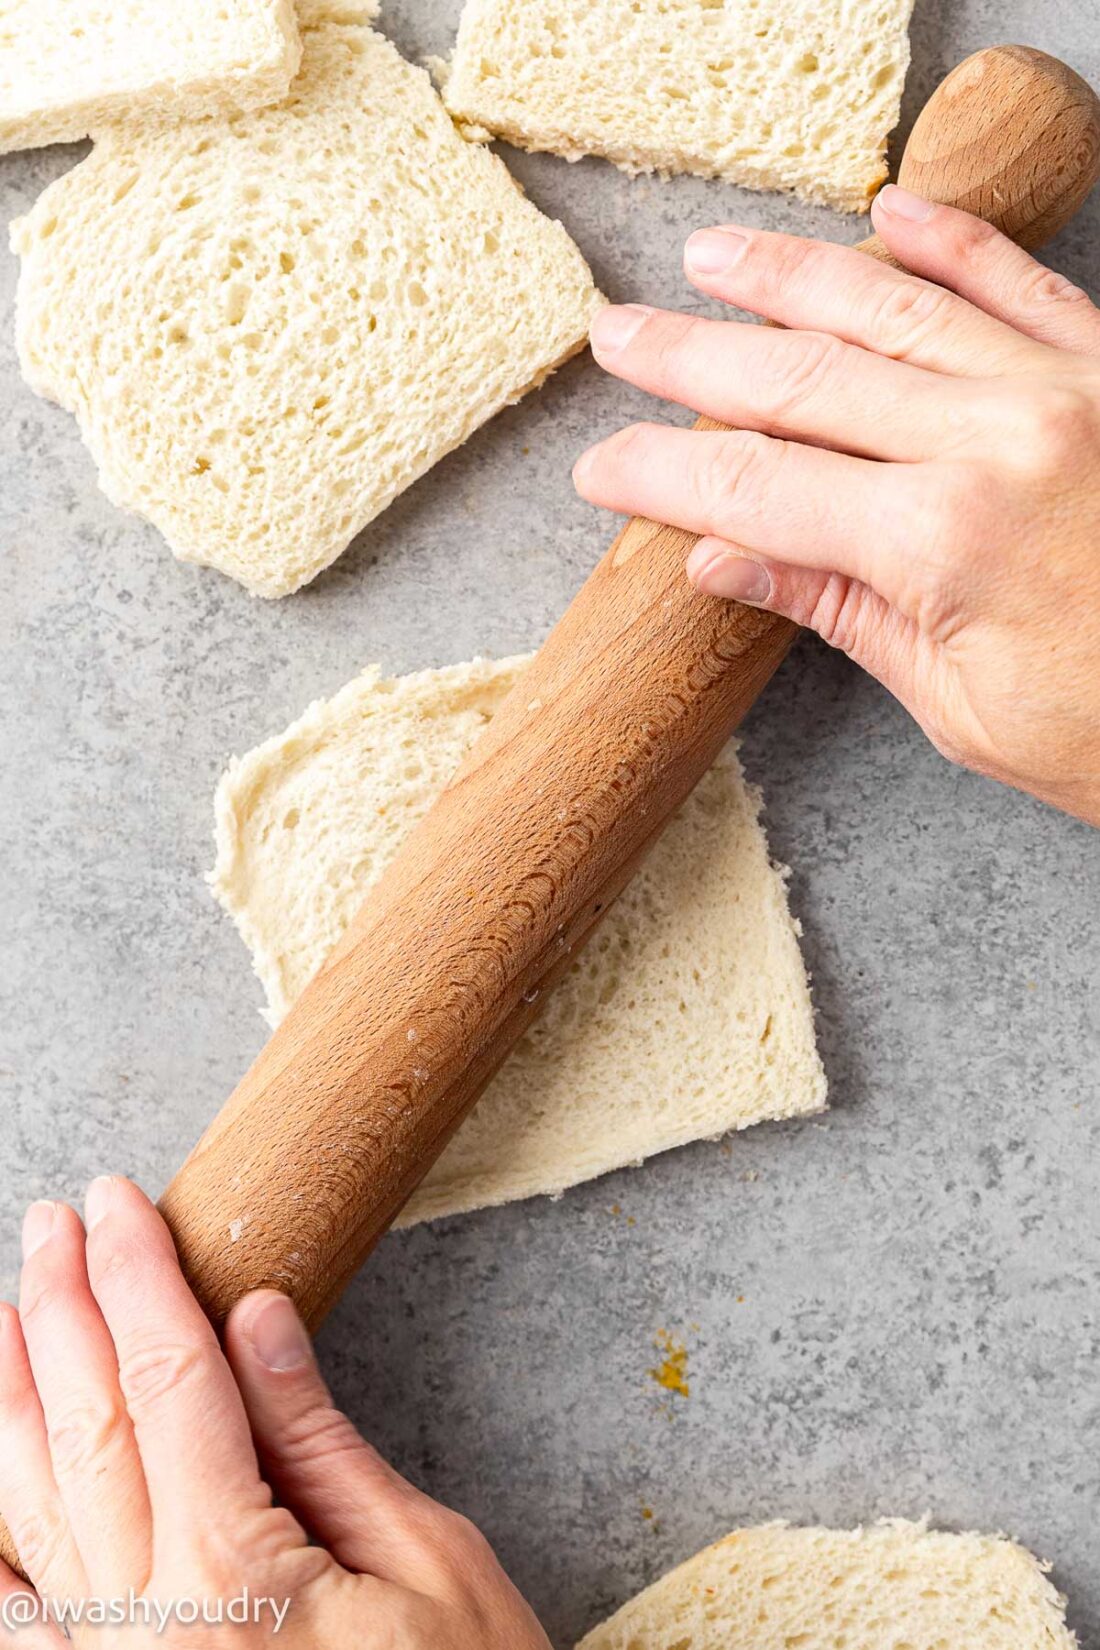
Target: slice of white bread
{"x": 771, "y": 94}
{"x": 70, "y": 67}
{"x": 687, "y": 1015}
{"x": 268, "y": 327}
{"x": 892, "y": 1586}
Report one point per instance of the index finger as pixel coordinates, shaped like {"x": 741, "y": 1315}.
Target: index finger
{"x": 806, "y": 385}
{"x": 189, "y": 1421}
{"x": 841, "y": 290}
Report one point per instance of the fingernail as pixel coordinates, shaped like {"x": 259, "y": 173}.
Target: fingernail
{"x": 97, "y": 1199}
{"x": 583, "y": 465}
{"x": 38, "y": 1223}
{"x": 710, "y": 251}
{"x": 735, "y": 578}
{"x": 616, "y": 325}
{"x": 279, "y": 1336}
{"x": 902, "y": 203}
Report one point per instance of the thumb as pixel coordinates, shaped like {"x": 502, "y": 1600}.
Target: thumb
{"x": 843, "y": 611}
{"x": 368, "y": 1517}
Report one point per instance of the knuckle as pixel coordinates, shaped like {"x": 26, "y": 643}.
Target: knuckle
{"x": 149, "y": 1372}
{"x": 455, "y": 1548}
{"x": 837, "y": 613}
{"x": 972, "y": 234}
{"x": 627, "y": 449}
{"x": 256, "y": 1537}
{"x": 1041, "y": 286}
{"x": 20, "y": 1405}
{"x": 83, "y": 1435}
{"x": 935, "y": 600}
{"x": 108, "y": 1255}
{"x": 776, "y": 264}
{"x": 40, "y": 1538}
{"x": 673, "y": 344}
{"x": 1053, "y": 425}
{"x": 807, "y": 263}
{"x": 803, "y": 364}
{"x": 47, "y": 1279}
{"x": 467, "y": 1541}
{"x": 731, "y": 476}
{"x": 39, "y": 1293}
{"x": 319, "y": 1433}
{"x": 758, "y": 270}
{"x": 904, "y": 312}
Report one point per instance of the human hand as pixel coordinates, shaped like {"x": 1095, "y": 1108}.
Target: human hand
{"x": 914, "y": 472}
{"x": 128, "y": 1460}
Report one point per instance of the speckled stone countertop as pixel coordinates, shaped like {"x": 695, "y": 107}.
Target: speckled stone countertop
{"x": 891, "y": 1310}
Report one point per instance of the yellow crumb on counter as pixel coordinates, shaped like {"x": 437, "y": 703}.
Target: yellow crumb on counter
{"x": 671, "y": 1372}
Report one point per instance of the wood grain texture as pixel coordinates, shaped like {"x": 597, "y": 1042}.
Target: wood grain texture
{"x": 1011, "y": 135}
{"x": 618, "y": 717}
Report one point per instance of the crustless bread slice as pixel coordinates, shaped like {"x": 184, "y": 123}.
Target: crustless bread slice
{"x": 687, "y": 1015}
{"x": 772, "y": 94}
{"x": 892, "y": 1586}
{"x": 269, "y": 326}
{"x": 70, "y": 67}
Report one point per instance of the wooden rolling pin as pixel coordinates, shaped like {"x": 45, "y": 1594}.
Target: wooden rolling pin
{"x": 627, "y": 704}
{"x": 621, "y": 713}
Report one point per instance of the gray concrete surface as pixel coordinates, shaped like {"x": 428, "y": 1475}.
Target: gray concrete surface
{"x": 889, "y": 1312}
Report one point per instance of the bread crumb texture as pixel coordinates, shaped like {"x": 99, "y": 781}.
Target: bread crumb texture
{"x": 268, "y": 326}
{"x": 892, "y": 1586}
{"x": 687, "y": 1014}
{"x": 69, "y": 67}
{"x": 771, "y": 94}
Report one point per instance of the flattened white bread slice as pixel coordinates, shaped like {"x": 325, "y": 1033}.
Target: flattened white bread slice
{"x": 771, "y": 94}
{"x": 293, "y": 314}
{"x": 688, "y": 1014}
{"x": 70, "y": 67}
{"x": 892, "y": 1586}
